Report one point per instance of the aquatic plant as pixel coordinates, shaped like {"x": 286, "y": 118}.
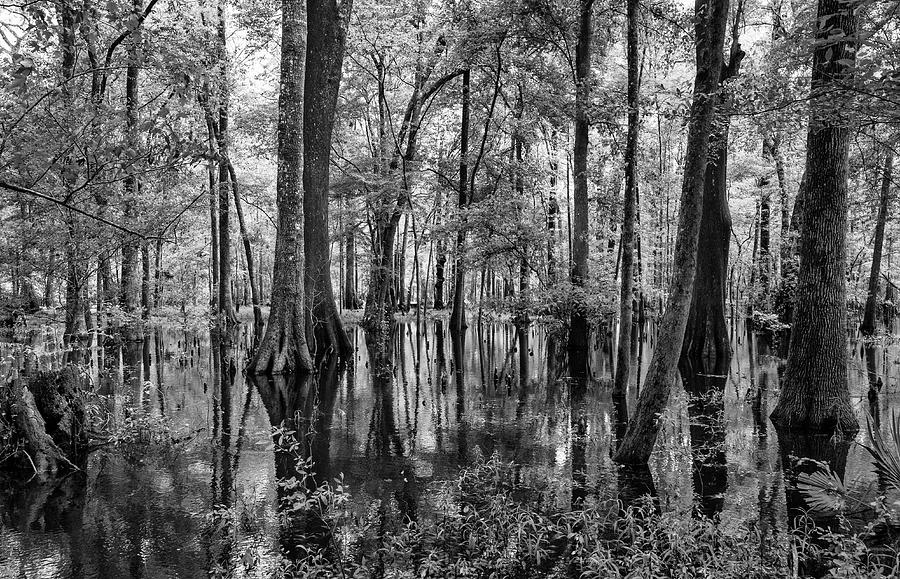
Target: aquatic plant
{"x": 885, "y": 452}
{"x": 488, "y": 525}
{"x": 825, "y": 491}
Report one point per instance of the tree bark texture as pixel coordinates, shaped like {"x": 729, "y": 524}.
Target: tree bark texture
{"x": 710, "y": 21}
{"x": 131, "y": 272}
{"x": 326, "y": 39}
{"x": 283, "y": 348}
{"x": 706, "y": 347}
{"x": 814, "y": 394}
{"x": 226, "y": 300}
{"x": 578, "y": 328}
{"x": 77, "y": 307}
{"x": 458, "y": 313}
{"x": 626, "y": 297}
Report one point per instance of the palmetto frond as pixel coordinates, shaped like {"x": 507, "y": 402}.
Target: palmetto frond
{"x": 823, "y": 490}
{"x": 886, "y": 452}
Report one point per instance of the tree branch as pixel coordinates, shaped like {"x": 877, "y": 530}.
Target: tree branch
{"x": 119, "y": 39}
{"x": 34, "y": 193}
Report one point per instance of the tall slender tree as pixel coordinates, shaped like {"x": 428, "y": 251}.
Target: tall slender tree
{"x": 578, "y": 330}
{"x": 226, "y": 301}
{"x": 458, "y": 313}
{"x": 710, "y": 20}
{"x": 131, "y": 270}
{"x": 626, "y": 298}
{"x": 868, "y": 324}
{"x": 284, "y": 348}
{"x": 326, "y": 40}
{"x": 77, "y": 308}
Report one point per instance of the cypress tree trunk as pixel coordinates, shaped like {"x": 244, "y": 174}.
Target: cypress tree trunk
{"x": 814, "y": 395}
{"x": 131, "y": 276}
{"x": 518, "y": 150}
{"x": 226, "y": 300}
{"x": 626, "y": 301}
{"x": 351, "y": 299}
{"x": 248, "y": 251}
{"x": 283, "y": 348}
{"x": 868, "y": 323}
{"x": 458, "y": 314}
{"x": 77, "y": 306}
{"x": 214, "y": 236}
{"x": 326, "y": 39}
{"x": 765, "y": 260}
{"x": 146, "y": 299}
{"x": 706, "y": 348}
{"x": 440, "y": 262}
{"x": 710, "y": 20}
{"x": 552, "y": 226}
{"x": 578, "y": 325}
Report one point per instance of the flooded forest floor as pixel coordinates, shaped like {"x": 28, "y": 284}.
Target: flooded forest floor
{"x": 197, "y": 469}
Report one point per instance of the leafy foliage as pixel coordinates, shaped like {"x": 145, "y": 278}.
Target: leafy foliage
{"x": 490, "y": 525}
{"x": 886, "y": 452}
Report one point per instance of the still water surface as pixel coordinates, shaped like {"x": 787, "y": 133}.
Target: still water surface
{"x": 142, "y": 510}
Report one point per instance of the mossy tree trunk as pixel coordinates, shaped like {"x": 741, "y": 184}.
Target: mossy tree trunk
{"x": 283, "y": 348}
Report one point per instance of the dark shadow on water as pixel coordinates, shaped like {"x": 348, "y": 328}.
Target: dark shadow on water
{"x": 458, "y": 344}
{"x": 706, "y": 412}
{"x": 578, "y": 422}
{"x": 636, "y": 486}
{"x": 803, "y": 453}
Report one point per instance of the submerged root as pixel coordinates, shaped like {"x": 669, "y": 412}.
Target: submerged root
{"x": 42, "y": 427}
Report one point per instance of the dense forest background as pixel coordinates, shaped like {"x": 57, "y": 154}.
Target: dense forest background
{"x": 529, "y": 159}
{"x": 494, "y": 260}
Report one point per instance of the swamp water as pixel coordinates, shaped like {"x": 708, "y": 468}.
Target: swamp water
{"x": 195, "y": 434}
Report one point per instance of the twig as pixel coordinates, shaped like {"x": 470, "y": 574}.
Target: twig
{"x": 25, "y": 452}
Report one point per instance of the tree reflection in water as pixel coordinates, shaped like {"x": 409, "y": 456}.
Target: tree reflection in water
{"x": 300, "y": 409}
